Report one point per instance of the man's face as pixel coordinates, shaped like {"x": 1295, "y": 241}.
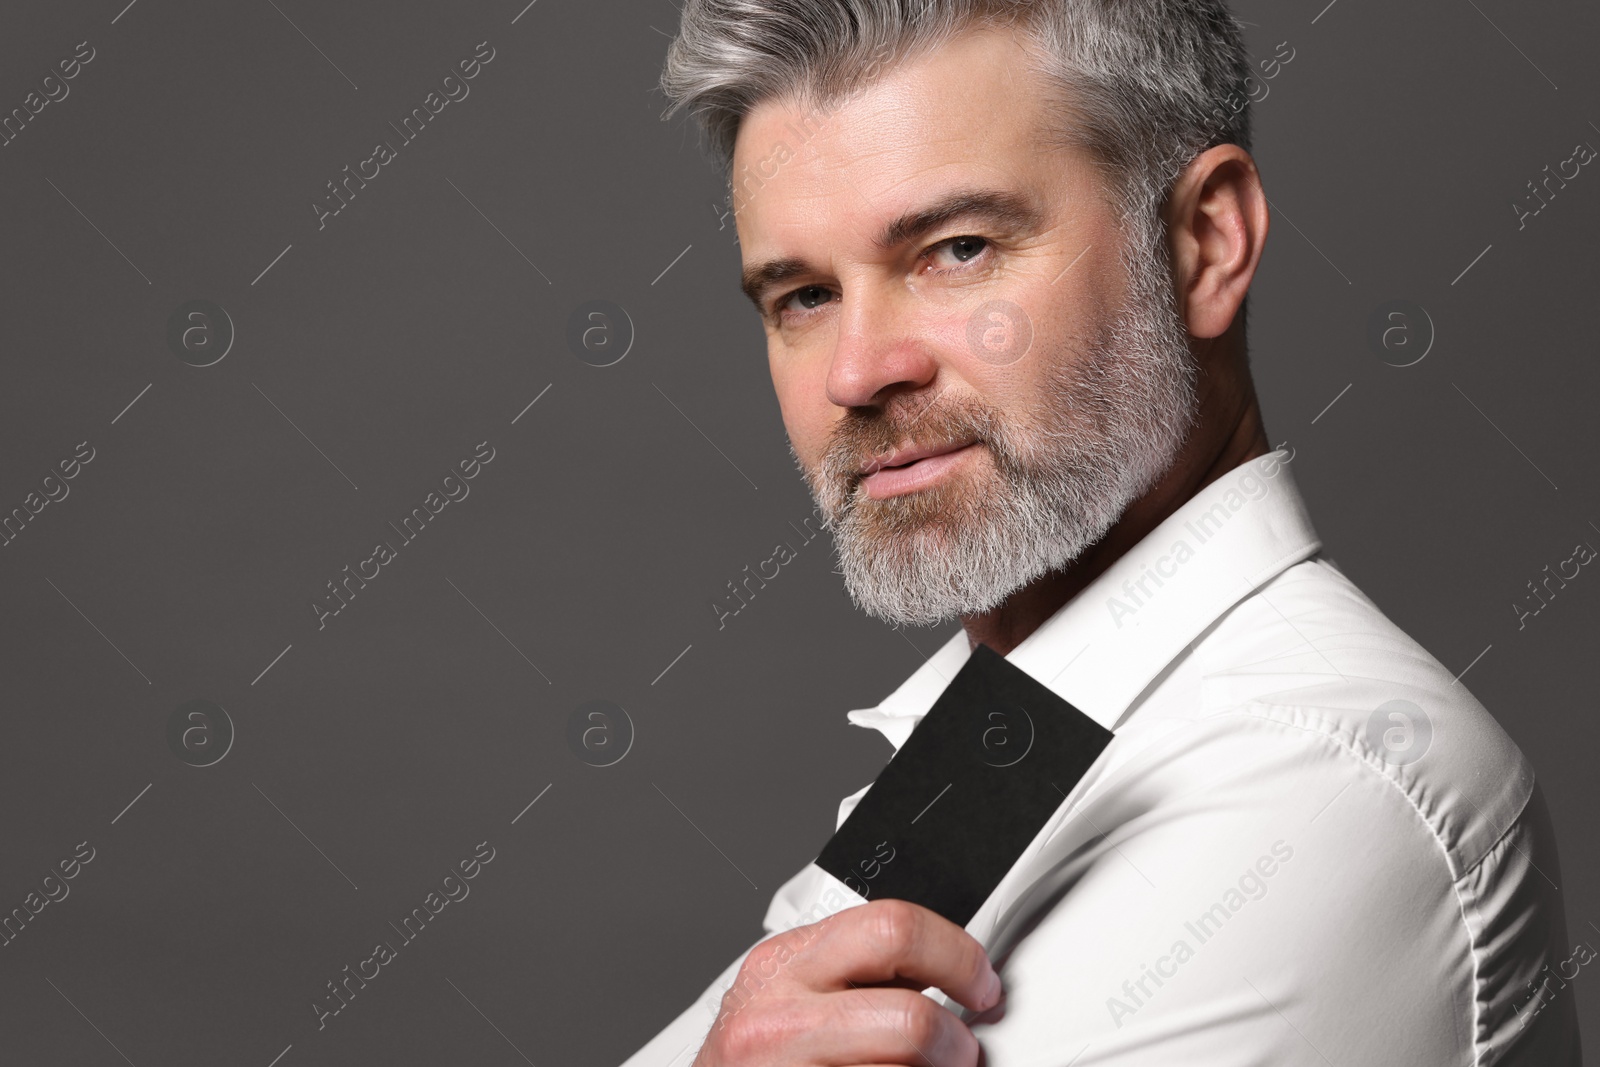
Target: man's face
{"x": 1043, "y": 385}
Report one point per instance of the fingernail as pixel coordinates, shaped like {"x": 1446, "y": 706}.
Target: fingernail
{"x": 991, "y": 995}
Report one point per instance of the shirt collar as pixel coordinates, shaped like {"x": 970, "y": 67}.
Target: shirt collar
{"x": 1103, "y": 647}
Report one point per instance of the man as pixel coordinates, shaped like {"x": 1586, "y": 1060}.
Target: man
{"x": 1001, "y": 252}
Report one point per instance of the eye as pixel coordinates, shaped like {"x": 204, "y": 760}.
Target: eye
{"x": 810, "y": 297}
{"x": 966, "y": 248}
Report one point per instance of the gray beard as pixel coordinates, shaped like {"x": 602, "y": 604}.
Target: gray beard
{"x": 1109, "y": 428}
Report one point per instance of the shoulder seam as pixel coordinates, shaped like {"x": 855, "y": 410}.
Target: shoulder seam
{"x": 1444, "y": 851}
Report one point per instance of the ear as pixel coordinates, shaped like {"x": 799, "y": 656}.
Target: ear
{"x": 1217, "y": 222}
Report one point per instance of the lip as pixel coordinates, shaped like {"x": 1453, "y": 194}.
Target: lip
{"x": 911, "y": 455}
{"x": 914, "y": 469}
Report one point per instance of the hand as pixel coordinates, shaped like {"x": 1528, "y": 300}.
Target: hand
{"x": 845, "y": 991}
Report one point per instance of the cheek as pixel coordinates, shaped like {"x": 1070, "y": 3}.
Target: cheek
{"x": 995, "y": 338}
{"x": 1020, "y": 391}
{"x": 1001, "y": 346}
{"x": 1069, "y": 321}
{"x": 802, "y": 401}
{"x": 1016, "y": 398}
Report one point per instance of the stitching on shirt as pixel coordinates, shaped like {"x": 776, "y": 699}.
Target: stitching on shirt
{"x": 1276, "y": 569}
{"x": 1500, "y": 844}
{"x": 1380, "y": 769}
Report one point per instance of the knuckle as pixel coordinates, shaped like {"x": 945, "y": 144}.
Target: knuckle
{"x": 893, "y": 927}
{"x": 921, "y": 1022}
{"x": 765, "y": 961}
{"x": 760, "y": 956}
{"x": 750, "y": 1037}
{"x": 935, "y": 1032}
{"x": 739, "y": 1041}
{"x": 917, "y": 1026}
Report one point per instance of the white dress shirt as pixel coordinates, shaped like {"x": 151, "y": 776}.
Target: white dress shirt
{"x": 1307, "y": 843}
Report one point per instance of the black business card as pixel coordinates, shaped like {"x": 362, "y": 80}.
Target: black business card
{"x": 970, "y": 788}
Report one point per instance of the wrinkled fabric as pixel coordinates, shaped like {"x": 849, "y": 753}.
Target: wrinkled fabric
{"x": 1307, "y": 843}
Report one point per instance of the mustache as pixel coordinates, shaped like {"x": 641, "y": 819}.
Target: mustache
{"x": 865, "y": 436}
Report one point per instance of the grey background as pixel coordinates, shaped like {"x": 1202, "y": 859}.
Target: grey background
{"x": 373, "y": 754}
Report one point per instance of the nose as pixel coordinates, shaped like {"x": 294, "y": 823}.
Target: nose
{"x": 878, "y": 348}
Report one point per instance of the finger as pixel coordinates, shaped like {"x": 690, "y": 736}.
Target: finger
{"x": 889, "y": 939}
{"x": 889, "y": 1026}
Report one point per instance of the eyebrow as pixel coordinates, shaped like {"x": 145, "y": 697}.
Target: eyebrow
{"x": 1006, "y": 210}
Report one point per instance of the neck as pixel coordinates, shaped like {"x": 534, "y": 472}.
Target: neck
{"x": 1206, "y": 457}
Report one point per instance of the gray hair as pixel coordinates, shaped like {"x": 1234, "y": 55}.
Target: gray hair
{"x": 1143, "y": 86}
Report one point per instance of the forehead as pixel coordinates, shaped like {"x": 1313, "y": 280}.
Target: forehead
{"x": 969, "y": 112}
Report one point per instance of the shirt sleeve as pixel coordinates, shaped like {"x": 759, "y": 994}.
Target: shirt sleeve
{"x": 1256, "y": 892}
